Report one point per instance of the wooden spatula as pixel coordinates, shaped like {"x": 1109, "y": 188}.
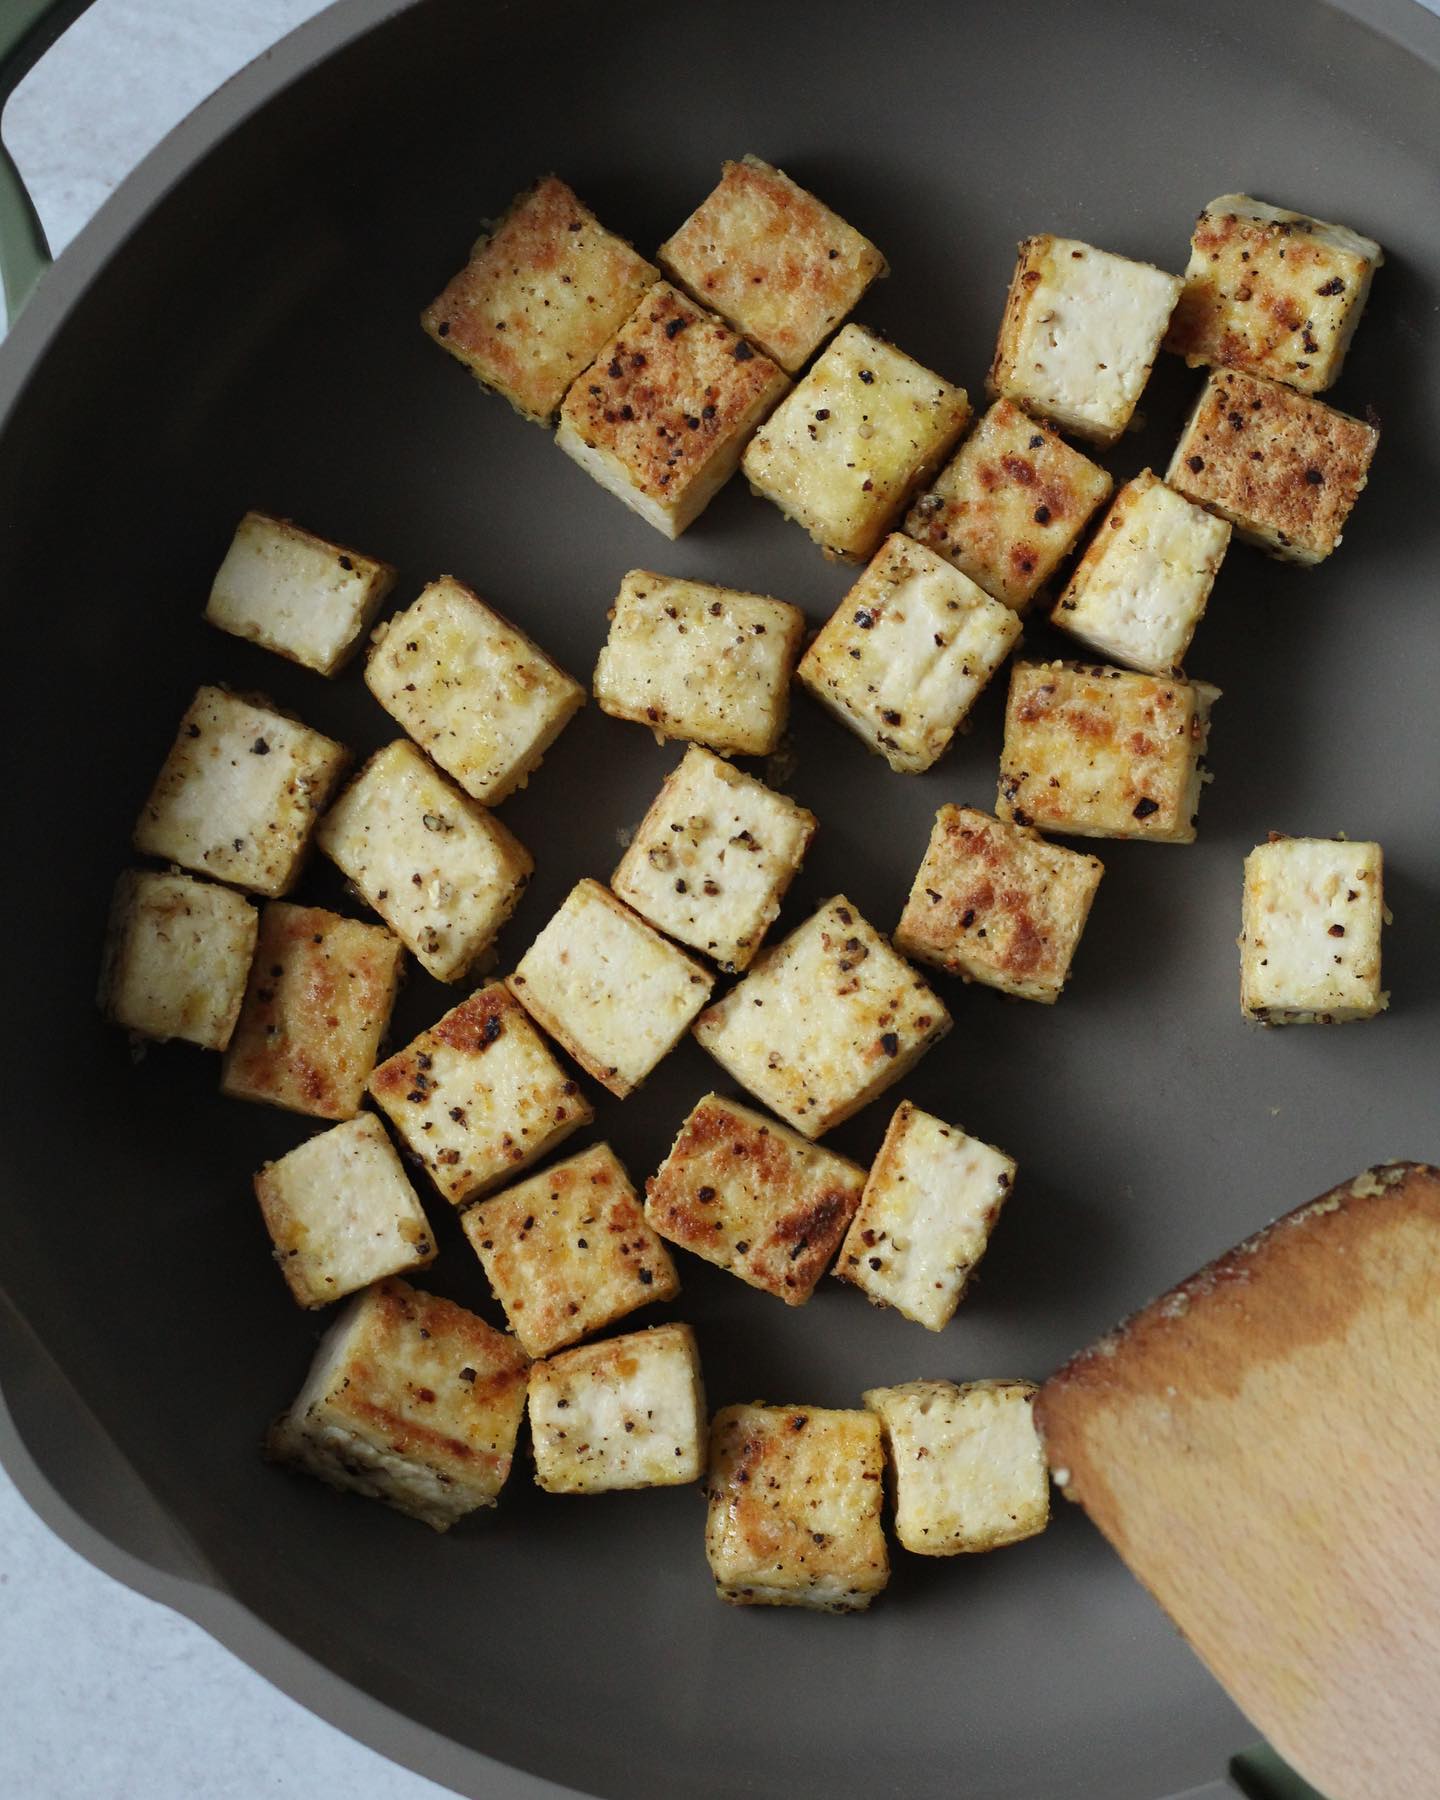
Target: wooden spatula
{"x": 1262, "y": 1446}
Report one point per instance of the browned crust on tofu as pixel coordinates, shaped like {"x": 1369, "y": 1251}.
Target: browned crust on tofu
{"x": 1029, "y": 252}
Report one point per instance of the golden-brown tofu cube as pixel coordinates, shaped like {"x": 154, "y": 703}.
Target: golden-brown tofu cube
{"x": 568, "y": 1251}
{"x": 540, "y": 294}
{"x": 1100, "y": 752}
{"x": 772, "y": 259}
{"x": 662, "y": 414}
{"x": 478, "y": 1096}
{"x": 177, "y": 952}
{"x": 994, "y": 902}
{"x": 317, "y": 1005}
{"x": 865, "y": 428}
{"x": 752, "y": 1197}
{"x": 794, "y": 1516}
{"x": 1310, "y": 942}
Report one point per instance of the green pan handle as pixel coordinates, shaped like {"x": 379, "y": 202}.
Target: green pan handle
{"x": 27, "y": 30}
{"x": 1261, "y": 1775}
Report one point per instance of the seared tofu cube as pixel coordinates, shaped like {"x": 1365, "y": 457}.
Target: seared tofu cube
{"x": 865, "y": 428}
{"x": 1141, "y": 587}
{"x": 1273, "y": 292}
{"x": 1100, "y": 752}
{"x": 969, "y": 1469}
{"x": 752, "y": 1197}
{"x": 713, "y": 857}
{"x": 1310, "y": 942}
{"x": 177, "y": 953}
{"x": 471, "y": 689}
{"x": 410, "y": 1400}
{"x": 240, "y": 792}
{"x": 1009, "y": 505}
{"x": 692, "y": 660}
{"x": 609, "y": 988}
{"x": 478, "y": 1096}
{"x": 772, "y": 259}
{"x": 568, "y": 1251}
{"x": 825, "y": 1020}
{"x": 297, "y": 594}
{"x": 540, "y": 294}
{"x": 994, "y": 902}
{"x": 930, "y": 1201}
{"x": 628, "y": 1413}
{"x": 316, "y": 1008}
{"x": 794, "y": 1513}
{"x": 1080, "y": 333}
{"x": 341, "y": 1213}
{"x": 904, "y": 656}
{"x": 1284, "y": 469}
{"x": 662, "y": 414}
{"x": 441, "y": 870}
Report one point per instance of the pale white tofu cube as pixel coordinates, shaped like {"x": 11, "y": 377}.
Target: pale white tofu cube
{"x": 471, "y": 689}
{"x": 692, "y": 660}
{"x": 969, "y": 1470}
{"x": 627, "y": 1413}
{"x": 794, "y": 1518}
{"x": 713, "y": 857}
{"x": 1080, "y": 333}
{"x": 177, "y": 953}
{"x": 1310, "y": 941}
{"x": 826, "y": 1019}
{"x": 930, "y": 1202}
{"x": 864, "y": 429}
{"x": 410, "y": 1400}
{"x": 341, "y": 1213}
{"x": 438, "y": 867}
{"x": 297, "y": 594}
{"x": 905, "y": 655}
{"x": 609, "y": 988}
{"x": 478, "y": 1096}
{"x": 239, "y": 793}
{"x": 568, "y": 1251}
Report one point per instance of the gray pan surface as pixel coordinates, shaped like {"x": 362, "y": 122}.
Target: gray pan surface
{"x": 239, "y": 328}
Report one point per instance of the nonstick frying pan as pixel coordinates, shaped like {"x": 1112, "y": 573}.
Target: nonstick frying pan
{"x": 238, "y": 327}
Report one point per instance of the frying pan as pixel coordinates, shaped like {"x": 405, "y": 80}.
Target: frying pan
{"x": 238, "y": 327}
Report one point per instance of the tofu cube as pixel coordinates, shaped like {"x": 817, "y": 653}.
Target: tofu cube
{"x": 471, "y": 689}
{"x": 177, "y": 953}
{"x": 1310, "y": 941}
{"x": 1284, "y": 469}
{"x": 317, "y": 1005}
{"x": 865, "y": 428}
{"x": 713, "y": 857}
{"x": 826, "y": 1019}
{"x": 1273, "y": 292}
{"x": 1142, "y": 585}
{"x": 239, "y": 793}
{"x": 772, "y": 259}
{"x": 441, "y": 870}
{"x": 542, "y": 291}
{"x": 1080, "y": 333}
{"x": 1009, "y": 505}
{"x": 297, "y": 594}
{"x": 662, "y": 414}
{"x": 628, "y": 1413}
{"x": 930, "y": 1201}
{"x": 568, "y": 1251}
{"x": 410, "y": 1400}
{"x": 1099, "y": 752}
{"x": 794, "y": 1508}
{"x": 994, "y": 902}
{"x": 341, "y": 1213}
{"x": 609, "y": 988}
{"x": 478, "y": 1096}
{"x": 754, "y": 1198}
{"x": 969, "y": 1469}
{"x": 904, "y": 656}
{"x": 700, "y": 662}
